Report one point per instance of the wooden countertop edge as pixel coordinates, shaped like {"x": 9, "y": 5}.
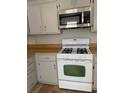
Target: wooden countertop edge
{"x": 52, "y": 48}
{"x": 44, "y": 46}
{"x": 92, "y": 45}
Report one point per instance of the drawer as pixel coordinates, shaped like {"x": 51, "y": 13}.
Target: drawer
{"x": 45, "y": 58}
{"x": 30, "y": 72}
{"x": 32, "y": 79}
{"x": 29, "y": 61}
{"x": 31, "y": 83}
{"x": 30, "y": 86}
{"x": 30, "y": 75}
{"x": 30, "y": 68}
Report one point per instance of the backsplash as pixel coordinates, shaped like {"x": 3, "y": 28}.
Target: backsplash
{"x": 56, "y": 39}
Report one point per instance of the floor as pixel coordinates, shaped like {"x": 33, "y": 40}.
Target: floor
{"x": 43, "y": 88}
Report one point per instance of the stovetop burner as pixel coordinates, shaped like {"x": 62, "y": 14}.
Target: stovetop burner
{"x": 75, "y": 51}
{"x": 67, "y": 50}
{"x": 82, "y": 51}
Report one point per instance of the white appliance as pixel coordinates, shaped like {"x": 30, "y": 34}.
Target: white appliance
{"x": 75, "y": 18}
{"x": 75, "y": 65}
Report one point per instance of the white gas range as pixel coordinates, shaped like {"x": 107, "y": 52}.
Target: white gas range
{"x": 74, "y": 63}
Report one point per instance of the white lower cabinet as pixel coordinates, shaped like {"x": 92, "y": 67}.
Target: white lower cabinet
{"x": 31, "y": 74}
{"x": 46, "y": 69}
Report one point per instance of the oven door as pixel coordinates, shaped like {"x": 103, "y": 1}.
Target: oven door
{"x": 75, "y": 70}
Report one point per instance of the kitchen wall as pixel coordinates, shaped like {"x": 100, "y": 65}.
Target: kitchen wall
{"x": 56, "y": 39}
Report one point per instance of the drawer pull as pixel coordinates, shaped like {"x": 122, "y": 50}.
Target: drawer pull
{"x": 30, "y": 72}
{"x": 30, "y": 77}
{"x": 31, "y": 85}
{"x": 28, "y": 64}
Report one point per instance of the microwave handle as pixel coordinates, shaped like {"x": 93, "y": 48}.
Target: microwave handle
{"x": 82, "y": 17}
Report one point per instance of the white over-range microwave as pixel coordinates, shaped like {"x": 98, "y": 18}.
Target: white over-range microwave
{"x": 75, "y": 18}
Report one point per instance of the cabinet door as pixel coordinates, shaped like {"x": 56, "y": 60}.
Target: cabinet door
{"x": 65, "y": 4}
{"x": 34, "y": 18}
{"x": 49, "y": 18}
{"x": 94, "y": 28}
{"x": 47, "y": 73}
{"x": 46, "y": 1}
{"x": 95, "y": 76}
{"x": 82, "y": 3}
{"x": 28, "y": 30}
{"x": 95, "y": 73}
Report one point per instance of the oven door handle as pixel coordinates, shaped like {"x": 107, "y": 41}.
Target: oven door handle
{"x": 75, "y": 60}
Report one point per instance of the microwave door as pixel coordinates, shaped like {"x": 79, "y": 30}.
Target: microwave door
{"x": 72, "y": 20}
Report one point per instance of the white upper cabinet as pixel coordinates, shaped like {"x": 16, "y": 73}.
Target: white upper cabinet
{"x": 42, "y": 1}
{"x": 67, "y": 4}
{"x": 34, "y": 18}
{"x": 94, "y": 28}
{"x": 43, "y": 18}
{"x": 49, "y": 18}
{"x": 82, "y": 3}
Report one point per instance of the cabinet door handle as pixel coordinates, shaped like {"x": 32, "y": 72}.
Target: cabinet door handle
{"x": 40, "y": 77}
{"x": 59, "y": 5}
{"x": 54, "y": 66}
{"x": 90, "y": 1}
{"x": 45, "y": 28}
{"x": 40, "y": 28}
{"x": 56, "y": 6}
{"x": 93, "y": 67}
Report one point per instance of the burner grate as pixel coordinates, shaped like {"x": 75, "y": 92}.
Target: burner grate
{"x": 67, "y": 50}
{"x": 82, "y": 51}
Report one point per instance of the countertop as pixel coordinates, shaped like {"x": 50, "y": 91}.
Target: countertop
{"x": 51, "y": 48}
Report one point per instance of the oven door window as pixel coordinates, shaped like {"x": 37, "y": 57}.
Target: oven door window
{"x": 68, "y": 19}
{"x": 74, "y": 70}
